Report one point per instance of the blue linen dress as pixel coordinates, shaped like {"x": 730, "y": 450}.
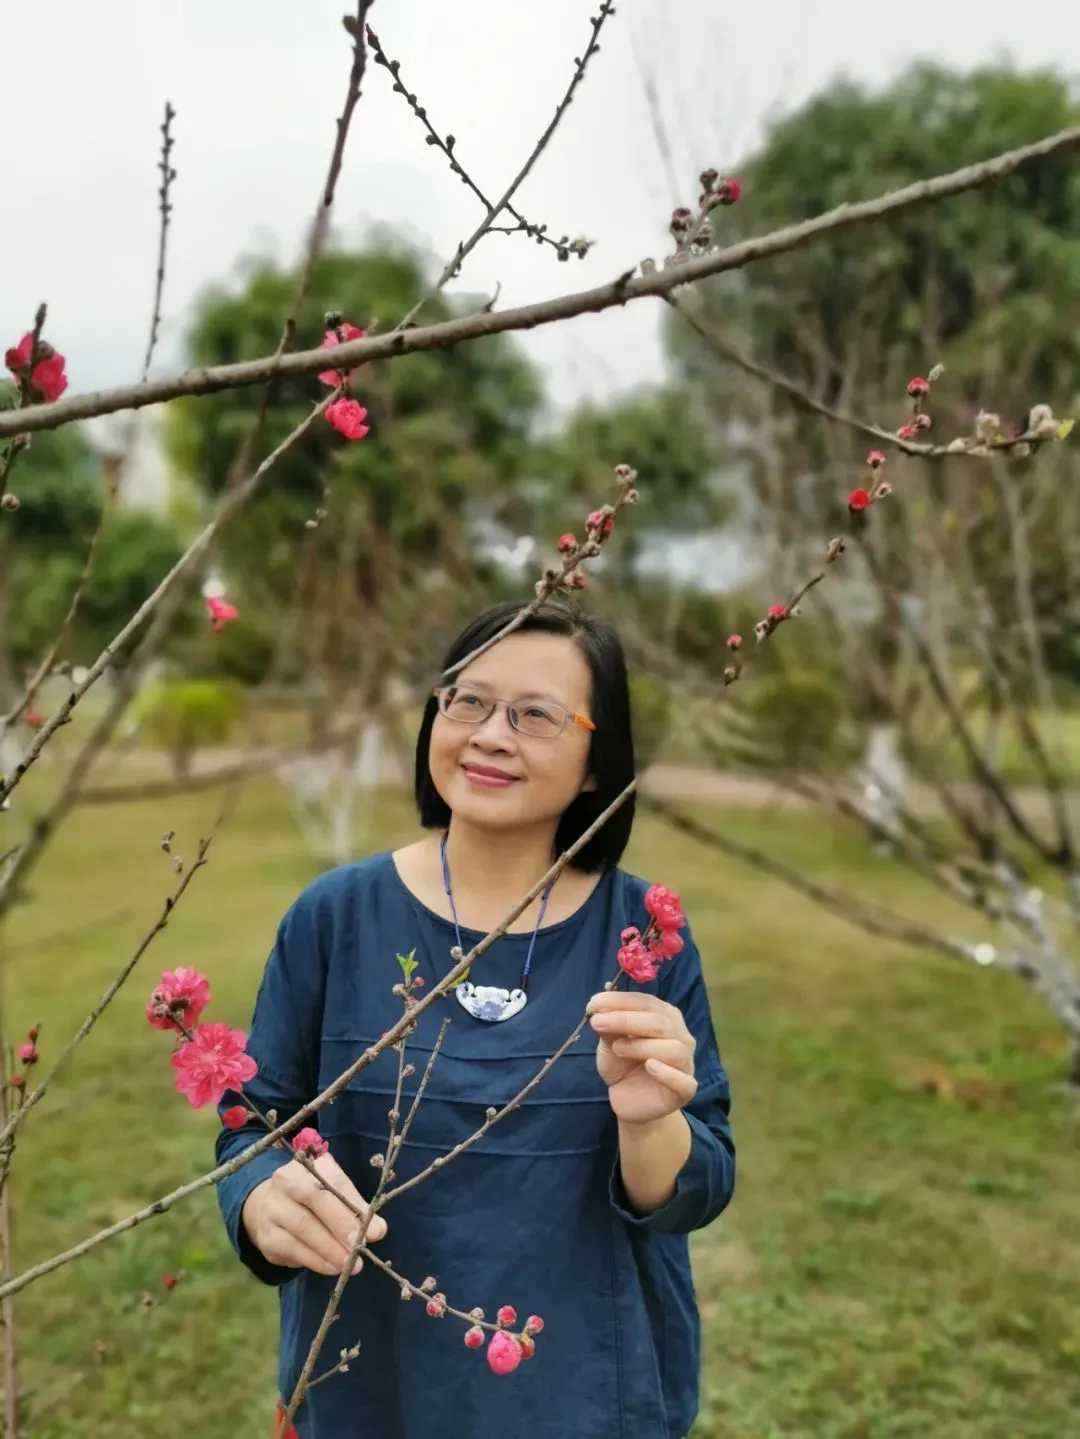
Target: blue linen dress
{"x": 534, "y": 1215}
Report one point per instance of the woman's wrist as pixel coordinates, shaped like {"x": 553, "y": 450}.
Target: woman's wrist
{"x": 652, "y": 1155}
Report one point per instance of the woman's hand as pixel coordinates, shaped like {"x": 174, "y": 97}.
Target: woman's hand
{"x": 645, "y": 1055}
{"x": 293, "y": 1221}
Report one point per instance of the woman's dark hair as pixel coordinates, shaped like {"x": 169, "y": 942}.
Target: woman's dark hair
{"x": 611, "y": 751}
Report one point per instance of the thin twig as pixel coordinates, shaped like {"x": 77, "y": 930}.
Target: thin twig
{"x": 359, "y": 1244}
{"x": 446, "y": 146}
{"x": 35, "y": 1096}
{"x": 44, "y": 669}
{"x": 465, "y": 248}
{"x": 316, "y": 239}
{"x": 621, "y": 291}
{"x": 7, "y": 1263}
{"x": 168, "y": 175}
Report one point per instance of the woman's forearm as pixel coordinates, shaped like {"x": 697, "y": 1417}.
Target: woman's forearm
{"x": 651, "y": 1158}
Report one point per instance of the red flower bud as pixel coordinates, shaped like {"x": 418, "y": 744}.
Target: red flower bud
{"x": 534, "y": 1324}
{"x": 734, "y": 642}
{"x": 906, "y": 432}
{"x": 778, "y": 612}
{"x": 503, "y": 1353}
{"x": 474, "y": 1337}
{"x": 170, "y": 1281}
{"x": 600, "y": 523}
{"x": 577, "y": 580}
{"x": 857, "y": 501}
{"x": 528, "y": 1346}
{"x": 918, "y": 386}
{"x": 729, "y": 191}
{"x": 507, "y": 1315}
{"x": 875, "y": 459}
{"x": 567, "y": 543}
{"x": 922, "y": 422}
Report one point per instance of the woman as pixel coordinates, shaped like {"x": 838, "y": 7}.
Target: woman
{"x": 577, "y": 1206}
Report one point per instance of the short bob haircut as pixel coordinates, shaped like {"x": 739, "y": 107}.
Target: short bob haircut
{"x": 611, "y": 751}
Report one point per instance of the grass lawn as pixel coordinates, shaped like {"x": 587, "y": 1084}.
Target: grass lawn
{"x": 902, "y": 1258}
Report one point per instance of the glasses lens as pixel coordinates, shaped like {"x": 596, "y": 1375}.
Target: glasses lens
{"x": 464, "y": 705}
{"x": 543, "y": 721}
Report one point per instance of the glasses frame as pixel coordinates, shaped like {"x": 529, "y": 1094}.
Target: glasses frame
{"x": 569, "y": 716}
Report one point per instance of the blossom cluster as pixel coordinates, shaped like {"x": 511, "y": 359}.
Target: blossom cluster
{"x": 28, "y": 1055}
{"x": 505, "y": 1350}
{"x": 641, "y": 955}
{"x": 599, "y": 527}
{"x": 345, "y": 414}
{"x": 47, "y": 381}
{"x": 209, "y": 1058}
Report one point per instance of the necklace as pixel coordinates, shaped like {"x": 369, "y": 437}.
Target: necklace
{"x": 485, "y": 1001}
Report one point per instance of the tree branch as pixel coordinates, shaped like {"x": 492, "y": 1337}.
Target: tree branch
{"x": 625, "y": 288}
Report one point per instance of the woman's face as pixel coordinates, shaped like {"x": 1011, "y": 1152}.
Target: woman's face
{"x": 489, "y": 773}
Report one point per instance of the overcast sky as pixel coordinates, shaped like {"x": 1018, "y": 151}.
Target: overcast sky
{"x": 257, "y": 85}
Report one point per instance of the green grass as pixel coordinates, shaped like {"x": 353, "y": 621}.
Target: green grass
{"x": 902, "y": 1257}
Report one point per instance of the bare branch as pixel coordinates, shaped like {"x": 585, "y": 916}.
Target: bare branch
{"x": 620, "y": 291}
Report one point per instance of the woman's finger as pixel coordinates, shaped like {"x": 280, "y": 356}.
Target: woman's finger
{"x": 308, "y": 1229}
{"x": 644, "y": 1023}
{"x": 671, "y": 1051}
{"x": 334, "y": 1215}
{"x": 682, "y": 1085}
{"x": 307, "y": 1246}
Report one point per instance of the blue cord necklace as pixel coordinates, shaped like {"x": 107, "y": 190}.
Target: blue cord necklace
{"x": 483, "y": 1001}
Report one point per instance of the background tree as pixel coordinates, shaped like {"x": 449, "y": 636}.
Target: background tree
{"x": 987, "y": 285}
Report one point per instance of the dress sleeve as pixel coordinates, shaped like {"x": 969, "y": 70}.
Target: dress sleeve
{"x": 706, "y": 1181}
{"x": 284, "y": 1042}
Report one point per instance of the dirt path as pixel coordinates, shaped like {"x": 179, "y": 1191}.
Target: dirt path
{"x": 666, "y": 781}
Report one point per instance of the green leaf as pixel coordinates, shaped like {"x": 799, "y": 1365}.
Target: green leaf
{"x": 1065, "y": 429}
{"x": 408, "y": 963}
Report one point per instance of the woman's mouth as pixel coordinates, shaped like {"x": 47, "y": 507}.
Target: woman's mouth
{"x": 487, "y": 777}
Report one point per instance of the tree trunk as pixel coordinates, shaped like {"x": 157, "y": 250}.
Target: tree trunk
{"x": 885, "y": 775}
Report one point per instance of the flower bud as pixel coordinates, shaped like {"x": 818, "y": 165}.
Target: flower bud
{"x": 577, "y": 580}
{"x": 727, "y": 192}
{"x": 922, "y": 421}
{"x": 857, "y": 502}
{"x": 10, "y": 501}
{"x": 567, "y": 544}
{"x": 734, "y": 642}
{"x": 918, "y": 386}
{"x": 875, "y": 459}
{"x": 986, "y": 425}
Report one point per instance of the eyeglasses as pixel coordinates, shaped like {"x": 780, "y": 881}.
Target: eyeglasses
{"x": 540, "y": 719}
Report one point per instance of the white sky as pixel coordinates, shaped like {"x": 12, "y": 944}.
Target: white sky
{"x": 257, "y": 85}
